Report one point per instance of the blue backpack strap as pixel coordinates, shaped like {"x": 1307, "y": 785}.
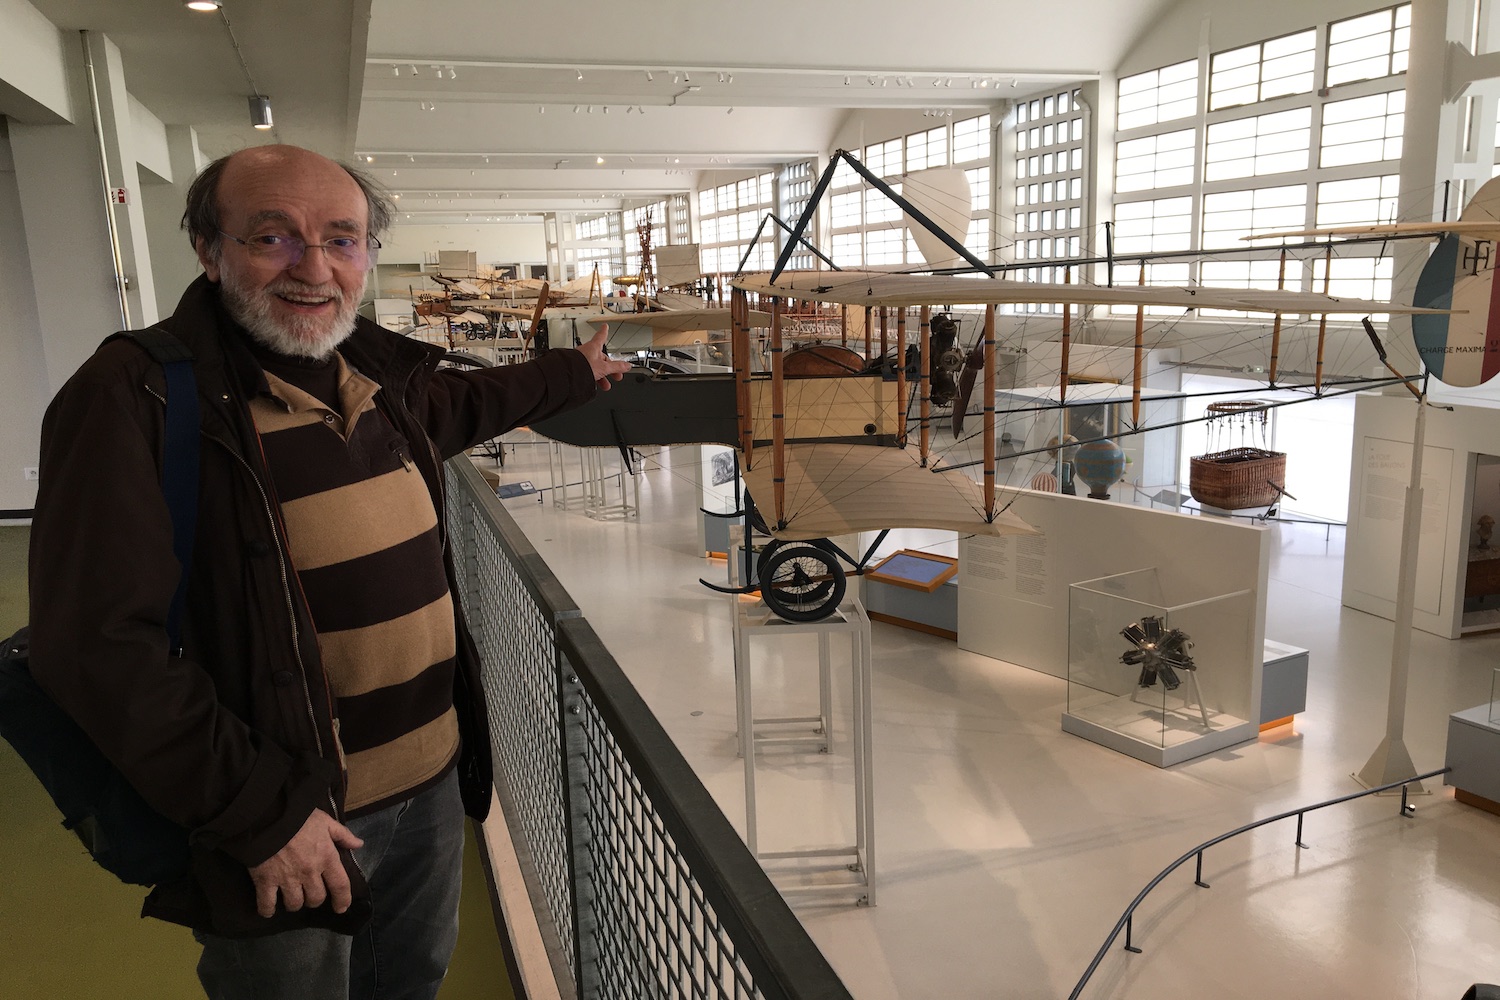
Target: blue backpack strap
{"x": 179, "y": 474}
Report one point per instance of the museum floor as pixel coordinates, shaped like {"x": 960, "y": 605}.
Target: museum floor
{"x": 1006, "y": 849}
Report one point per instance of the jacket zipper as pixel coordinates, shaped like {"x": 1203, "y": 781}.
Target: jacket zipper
{"x": 286, "y": 593}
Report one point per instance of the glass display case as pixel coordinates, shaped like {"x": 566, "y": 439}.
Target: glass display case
{"x": 1495, "y": 697}
{"x": 1159, "y": 670}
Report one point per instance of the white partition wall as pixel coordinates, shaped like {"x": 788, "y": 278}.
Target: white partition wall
{"x": 1383, "y": 428}
{"x": 1013, "y": 591}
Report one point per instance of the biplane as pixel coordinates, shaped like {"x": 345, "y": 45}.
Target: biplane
{"x": 843, "y": 452}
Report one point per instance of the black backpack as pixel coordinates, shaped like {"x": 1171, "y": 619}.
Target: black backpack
{"x": 124, "y": 834}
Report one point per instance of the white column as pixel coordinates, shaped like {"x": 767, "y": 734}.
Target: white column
{"x": 118, "y": 143}
{"x": 1428, "y": 148}
{"x": 65, "y": 217}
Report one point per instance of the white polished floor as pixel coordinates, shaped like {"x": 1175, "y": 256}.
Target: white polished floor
{"x": 1007, "y": 849}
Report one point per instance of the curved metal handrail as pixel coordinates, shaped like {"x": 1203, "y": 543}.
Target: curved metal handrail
{"x": 1124, "y": 923}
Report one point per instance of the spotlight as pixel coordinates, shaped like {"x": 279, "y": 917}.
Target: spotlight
{"x": 650, "y": 77}
{"x": 541, "y": 109}
{"x": 452, "y": 73}
{"x": 730, "y": 111}
{"x": 731, "y": 77}
{"x": 369, "y": 159}
{"x": 846, "y": 81}
{"x": 579, "y": 72}
{"x": 598, "y": 159}
{"x": 395, "y": 71}
{"x": 260, "y": 112}
{"x": 414, "y": 69}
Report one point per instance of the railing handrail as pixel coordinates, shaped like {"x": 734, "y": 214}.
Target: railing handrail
{"x": 743, "y": 897}
{"x": 768, "y": 938}
{"x": 538, "y": 579}
{"x": 1125, "y": 918}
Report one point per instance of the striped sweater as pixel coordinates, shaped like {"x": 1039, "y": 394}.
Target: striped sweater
{"x": 363, "y": 536}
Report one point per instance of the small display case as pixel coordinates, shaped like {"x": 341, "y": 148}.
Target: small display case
{"x": 914, "y": 569}
{"x": 1158, "y": 671}
{"x": 1495, "y": 697}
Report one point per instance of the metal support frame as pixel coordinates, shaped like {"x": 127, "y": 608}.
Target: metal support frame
{"x": 755, "y": 622}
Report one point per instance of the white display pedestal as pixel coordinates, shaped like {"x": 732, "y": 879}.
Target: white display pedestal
{"x": 600, "y": 487}
{"x": 1179, "y": 681}
{"x": 755, "y": 624}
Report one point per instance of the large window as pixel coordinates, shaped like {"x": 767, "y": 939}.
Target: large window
{"x": 1369, "y": 46}
{"x": 728, "y": 217}
{"x": 1160, "y": 95}
{"x": 1050, "y": 138}
{"x": 656, "y": 214}
{"x": 1277, "y": 153}
{"x": 870, "y": 229}
{"x": 1261, "y": 71}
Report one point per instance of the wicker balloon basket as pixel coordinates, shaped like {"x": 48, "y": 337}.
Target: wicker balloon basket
{"x": 1237, "y": 478}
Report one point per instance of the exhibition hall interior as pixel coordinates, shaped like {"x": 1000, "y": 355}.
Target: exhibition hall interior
{"x": 1042, "y": 548}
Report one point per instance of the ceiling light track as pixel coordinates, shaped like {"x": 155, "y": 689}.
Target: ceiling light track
{"x": 726, "y": 74}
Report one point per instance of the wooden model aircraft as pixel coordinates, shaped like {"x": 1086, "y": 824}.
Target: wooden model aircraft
{"x": 827, "y": 455}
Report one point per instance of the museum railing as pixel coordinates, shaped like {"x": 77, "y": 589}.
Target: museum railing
{"x": 640, "y": 885}
{"x": 1126, "y": 921}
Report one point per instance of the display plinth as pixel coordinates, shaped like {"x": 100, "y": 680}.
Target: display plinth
{"x": 840, "y": 871}
{"x": 1158, "y": 673}
{"x": 1283, "y": 683}
{"x": 1474, "y": 752}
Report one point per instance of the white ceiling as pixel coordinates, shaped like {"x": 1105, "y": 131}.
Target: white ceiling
{"x": 662, "y": 90}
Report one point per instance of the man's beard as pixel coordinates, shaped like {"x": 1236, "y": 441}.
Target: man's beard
{"x": 296, "y": 336}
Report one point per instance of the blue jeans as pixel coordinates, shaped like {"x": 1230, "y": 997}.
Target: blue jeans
{"x": 413, "y": 859}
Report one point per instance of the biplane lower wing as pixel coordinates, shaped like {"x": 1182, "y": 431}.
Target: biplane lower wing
{"x": 641, "y": 409}
{"x": 838, "y": 489}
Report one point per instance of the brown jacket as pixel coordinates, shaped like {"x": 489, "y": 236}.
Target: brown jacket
{"x": 235, "y": 740}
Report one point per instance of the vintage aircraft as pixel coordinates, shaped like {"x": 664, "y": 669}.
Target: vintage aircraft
{"x": 828, "y": 455}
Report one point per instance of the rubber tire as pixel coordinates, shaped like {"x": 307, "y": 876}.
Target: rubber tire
{"x": 801, "y": 582}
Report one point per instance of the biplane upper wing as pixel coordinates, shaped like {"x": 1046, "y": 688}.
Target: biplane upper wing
{"x": 1479, "y": 229}
{"x": 838, "y": 489}
{"x": 1479, "y": 220}
{"x": 881, "y": 288}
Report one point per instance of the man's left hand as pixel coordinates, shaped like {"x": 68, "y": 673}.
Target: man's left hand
{"x": 605, "y": 369}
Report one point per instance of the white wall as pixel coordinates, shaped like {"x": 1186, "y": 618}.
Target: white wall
{"x": 23, "y": 379}
{"x": 34, "y": 84}
{"x": 150, "y": 140}
{"x": 494, "y": 243}
{"x": 1383, "y": 427}
{"x": 1013, "y": 592}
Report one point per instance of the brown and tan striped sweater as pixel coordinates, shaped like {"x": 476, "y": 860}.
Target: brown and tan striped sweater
{"x": 363, "y": 537}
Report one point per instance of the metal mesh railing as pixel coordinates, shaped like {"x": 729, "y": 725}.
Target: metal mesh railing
{"x": 641, "y": 887}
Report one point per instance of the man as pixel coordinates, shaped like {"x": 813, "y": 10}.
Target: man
{"x": 321, "y": 732}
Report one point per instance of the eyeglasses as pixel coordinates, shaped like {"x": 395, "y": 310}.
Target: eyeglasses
{"x": 273, "y": 250}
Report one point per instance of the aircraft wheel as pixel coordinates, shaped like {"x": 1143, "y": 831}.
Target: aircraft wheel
{"x": 801, "y": 582}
